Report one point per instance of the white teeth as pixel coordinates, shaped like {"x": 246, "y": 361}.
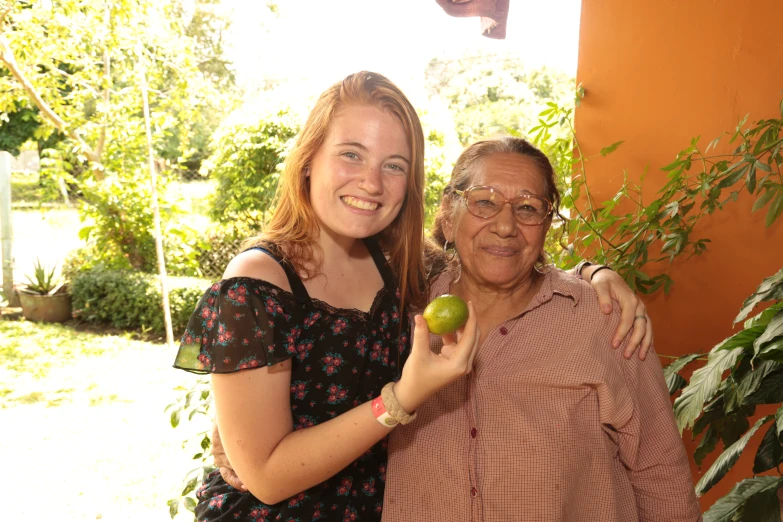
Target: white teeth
{"x": 358, "y": 203}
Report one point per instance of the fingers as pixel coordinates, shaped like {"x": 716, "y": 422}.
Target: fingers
{"x": 641, "y": 329}
{"x": 647, "y": 342}
{"x": 628, "y": 305}
{"x": 636, "y": 338}
{"x": 232, "y": 479}
{"x": 604, "y": 292}
{"x": 421, "y": 336}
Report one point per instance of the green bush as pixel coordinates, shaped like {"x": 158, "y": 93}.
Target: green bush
{"x": 132, "y": 300}
{"x": 245, "y": 164}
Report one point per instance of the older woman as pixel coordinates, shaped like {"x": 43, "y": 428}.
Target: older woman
{"x": 550, "y": 425}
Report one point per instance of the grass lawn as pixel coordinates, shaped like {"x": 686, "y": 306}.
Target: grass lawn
{"x": 85, "y": 436}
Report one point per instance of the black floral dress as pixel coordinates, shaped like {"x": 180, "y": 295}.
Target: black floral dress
{"x": 340, "y": 359}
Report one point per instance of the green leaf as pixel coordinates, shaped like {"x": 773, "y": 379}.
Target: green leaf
{"x": 727, "y": 506}
{"x": 772, "y": 352}
{"x": 773, "y": 330}
{"x": 770, "y": 452}
{"x": 779, "y": 421}
{"x": 770, "y": 389}
{"x": 190, "y": 486}
{"x": 727, "y": 459}
{"x": 706, "y": 445}
{"x": 190, "y": 504}
{"x": 763, "y": 200}
{"x": 175, "y": 418}
{"x": 763, "y": 318}
{"x": 750, "y": 179}
{"x": 763, "y": 507}
{"x": 673, "y": 379}
{"x": 741, "y": 339}
{"x": 737, "y": 171}
{"x": 703, "y": 386}
{"x": 770, "y": 289}
{"x": 611, "y": 148}
{"x": 774, "y": 209}
{"x": 173, "y": 507}
{"x": 712, "y": 145}
{"x": 752, "y": 381}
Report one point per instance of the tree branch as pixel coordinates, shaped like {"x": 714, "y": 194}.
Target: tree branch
{"x": 7, "y": 57}
{"x": 4, "y": 14}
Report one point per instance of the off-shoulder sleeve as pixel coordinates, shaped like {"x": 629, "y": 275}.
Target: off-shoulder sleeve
{"x": 239, "y": 324}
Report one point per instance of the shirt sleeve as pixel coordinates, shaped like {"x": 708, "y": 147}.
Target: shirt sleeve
{"x": 239, "y": 324}
{"x": 652, "y": 449}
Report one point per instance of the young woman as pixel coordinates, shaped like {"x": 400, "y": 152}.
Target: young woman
{"x": 317, "y": 308}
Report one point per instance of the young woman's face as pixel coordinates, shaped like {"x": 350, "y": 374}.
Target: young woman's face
{"x": 358, "y": 177}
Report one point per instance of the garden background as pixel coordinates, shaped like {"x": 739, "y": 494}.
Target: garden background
{"x": 91, "y": 404}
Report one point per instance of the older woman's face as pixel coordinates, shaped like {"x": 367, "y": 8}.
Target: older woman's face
{"x": 500, "y": 251}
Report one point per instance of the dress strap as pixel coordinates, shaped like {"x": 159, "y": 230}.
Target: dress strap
{"x": 380, "y": 262}
{"x": 297, "y": 287}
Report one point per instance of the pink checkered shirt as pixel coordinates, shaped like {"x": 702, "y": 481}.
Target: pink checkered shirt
{"x": 552, "y": 425}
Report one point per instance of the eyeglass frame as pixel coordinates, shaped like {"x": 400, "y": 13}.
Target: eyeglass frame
{"x": 463, "y": 194}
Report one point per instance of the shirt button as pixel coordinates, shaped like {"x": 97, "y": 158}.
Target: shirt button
{"x": 473, "y": 492}
{"x": 473, "y": 433}
{"x": 503, "y": 330}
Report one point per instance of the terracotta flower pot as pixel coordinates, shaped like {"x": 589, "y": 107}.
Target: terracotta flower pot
{"x": 46, "y": 308}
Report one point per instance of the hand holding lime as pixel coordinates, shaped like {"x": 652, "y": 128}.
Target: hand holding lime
{"x": 446, "y": 314}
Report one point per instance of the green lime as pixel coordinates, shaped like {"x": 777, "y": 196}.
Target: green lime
{"x": 446, "y": 314}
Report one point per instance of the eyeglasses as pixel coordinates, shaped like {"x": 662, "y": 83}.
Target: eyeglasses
{"x": 486, "y": 202}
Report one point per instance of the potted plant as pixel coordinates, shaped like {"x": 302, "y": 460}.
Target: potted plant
{"x": 45, "y": 297}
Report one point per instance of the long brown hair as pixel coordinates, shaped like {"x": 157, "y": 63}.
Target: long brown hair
{"x": 293, "y": 227}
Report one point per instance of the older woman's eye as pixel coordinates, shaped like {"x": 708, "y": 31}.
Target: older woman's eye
{"x": 484, "y": 203}
{"x": 527, "y": 208}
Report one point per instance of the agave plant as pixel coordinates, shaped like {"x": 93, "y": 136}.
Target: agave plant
{"x": 43, "y": 281}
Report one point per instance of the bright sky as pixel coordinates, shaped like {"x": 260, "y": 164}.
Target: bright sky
{"x": 317, "y": 42}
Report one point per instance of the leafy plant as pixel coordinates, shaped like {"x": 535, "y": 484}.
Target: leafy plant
{"x": 719, "y": 406}
{"x": 191, "y": 403}
{"x": 628, "y": 233}
{"x": 129, "y": 299}
{"x": 43, "y": 281}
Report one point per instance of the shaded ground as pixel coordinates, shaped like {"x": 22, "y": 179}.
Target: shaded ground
{"x": 85, "y": 436}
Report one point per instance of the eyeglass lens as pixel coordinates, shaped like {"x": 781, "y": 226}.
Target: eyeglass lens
{"x": 485, "y": 202}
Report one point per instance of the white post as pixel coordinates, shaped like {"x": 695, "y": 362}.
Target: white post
{"x": 155, "y": 208}
{"x": 6, "y": 230}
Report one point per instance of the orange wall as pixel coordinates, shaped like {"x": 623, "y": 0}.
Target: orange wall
{"x": 657, "y": 74}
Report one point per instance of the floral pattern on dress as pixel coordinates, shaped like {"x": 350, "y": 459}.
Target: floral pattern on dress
{"x": 339, "y": 359}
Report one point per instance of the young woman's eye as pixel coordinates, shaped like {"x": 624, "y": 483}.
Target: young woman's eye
{"x": 351, "y": 155}
{"x": 396, "y": 168}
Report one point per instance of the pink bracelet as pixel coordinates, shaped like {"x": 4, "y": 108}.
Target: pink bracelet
{"x": 381, "y": 414}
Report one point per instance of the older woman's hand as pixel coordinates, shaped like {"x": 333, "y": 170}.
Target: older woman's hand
{"x": 609, "y": 285}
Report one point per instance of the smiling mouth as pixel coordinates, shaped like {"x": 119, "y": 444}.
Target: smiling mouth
{"x": 359, "y": 203}
{"x": 501, "y": 251}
